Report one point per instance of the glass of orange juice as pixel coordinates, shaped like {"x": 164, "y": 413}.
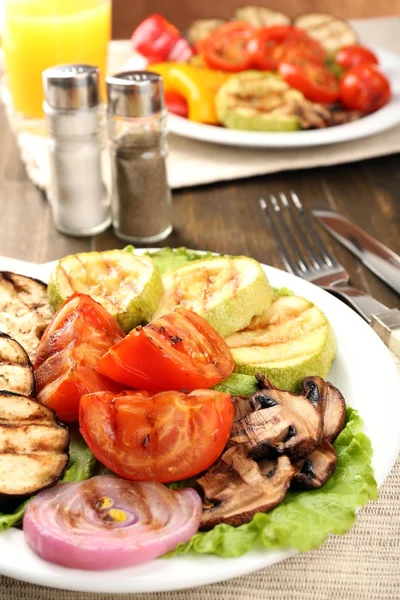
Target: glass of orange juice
{"x": 41, "y": 33}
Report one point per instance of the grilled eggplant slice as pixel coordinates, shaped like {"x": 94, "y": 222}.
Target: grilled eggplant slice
{"x": 291, "y": 340}
{"x": 16, "y": 372}
{"x": 226, "y": 291}
{"x": 24, "y": 309}
{"x": 33, "y": 446}
{"x": 332, "y": 33}
{"x": 260, "y": 16}
{"x": 126, "y": 285}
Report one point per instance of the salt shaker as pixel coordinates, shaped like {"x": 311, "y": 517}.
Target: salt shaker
{"x": 78, "y": 196}
{"x": 141, "y": 198}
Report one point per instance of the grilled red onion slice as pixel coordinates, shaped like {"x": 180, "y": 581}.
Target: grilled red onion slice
{"x": 107, "y": 523}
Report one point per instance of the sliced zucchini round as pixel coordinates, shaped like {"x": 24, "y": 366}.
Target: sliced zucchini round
{"x": 291, "y": 340}
{"x": 260, "y": 16}
{"x": 332, "y": 33}
{"x": 257, "y": 101}
{"x": 227, "y": 291}
{"x": 126, "y": 285}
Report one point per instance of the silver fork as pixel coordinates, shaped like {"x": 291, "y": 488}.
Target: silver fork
{"x": 304, "y": 253}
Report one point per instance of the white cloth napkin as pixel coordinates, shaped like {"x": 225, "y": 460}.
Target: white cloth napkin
{"x": 192, "y": 163}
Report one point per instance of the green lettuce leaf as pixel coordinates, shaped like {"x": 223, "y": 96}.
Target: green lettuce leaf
{"x": 14, "y": 518}
{"x": 82, "y": 464}
{"x": 304, "y": 519}
{"x": 238, "y": 385}
{"x": 169, "y": 259}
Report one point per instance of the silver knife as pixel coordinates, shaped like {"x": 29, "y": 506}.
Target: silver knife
{"x": 377, "y": 257}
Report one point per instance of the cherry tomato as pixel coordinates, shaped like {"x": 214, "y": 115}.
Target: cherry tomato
{"x": 176, "y": 104}
{"x": 313, "y": 80}
{"x": 227, "y": 47}
{"x": 79, "y": 334}
{"x": 177, "y": 351}
{"x": 269, "y": 44}
{"x": 155, "y": 36}
{"x": 365, "y": 88}
{"x": 352, "y": 56}
{"x": 165, "y": 437}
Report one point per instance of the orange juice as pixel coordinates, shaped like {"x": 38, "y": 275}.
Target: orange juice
{"x": 41, "y": 33}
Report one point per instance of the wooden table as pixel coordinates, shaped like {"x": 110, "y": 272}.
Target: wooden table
{"x": 223, "y": 218}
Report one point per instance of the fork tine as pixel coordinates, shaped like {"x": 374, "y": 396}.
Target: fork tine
{"x": 291, "y": 240}
{"x": 285, "y": 256}
{"x": 308, "y": 228}
{"x": 297, "y": 219}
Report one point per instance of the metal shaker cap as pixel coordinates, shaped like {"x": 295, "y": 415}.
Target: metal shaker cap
{"x": 69, "y": 87}
{"x": 135, "y": 94}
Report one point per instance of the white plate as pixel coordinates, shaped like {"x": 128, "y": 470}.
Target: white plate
{"x": 367, "y": 376}
{"x": 385, "y": 118}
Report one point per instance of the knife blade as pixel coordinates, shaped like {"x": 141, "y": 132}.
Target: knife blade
{"x": 377, "y": 257}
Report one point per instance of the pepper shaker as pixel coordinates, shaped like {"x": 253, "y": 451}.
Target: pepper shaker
{"x": 78, "y": 196}
{"x": 141, "y": 198}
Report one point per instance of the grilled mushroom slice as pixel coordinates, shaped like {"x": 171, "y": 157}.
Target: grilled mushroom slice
{"x": 24, "y": 309}
{"x": 238, "y": 488}
{"x": 330, "y": 402}
{"x": 16, "y": 372}
{"x": 33, "y": 445}
{"x": 282, "y": 423}
{"x": 317, "y": 467}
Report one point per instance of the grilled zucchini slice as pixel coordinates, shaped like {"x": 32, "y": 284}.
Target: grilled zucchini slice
{"x": 126, "y": 285}
{"x": 201, "y": 29}
{"x": 33, "y": 446}
{"x": 16, "y": 372}
{"x": 291, "y": 340}
{"x": 257, "y": 101}
{"x": 227, "y": 291}
{"x": 24, "y": 309}
{"x": 332, "y": 33}
{"x": 260, "y": 16}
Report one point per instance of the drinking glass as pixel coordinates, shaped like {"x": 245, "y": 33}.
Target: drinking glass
{"x": 41, "y": 33}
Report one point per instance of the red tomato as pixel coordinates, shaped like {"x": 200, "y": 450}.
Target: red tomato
{"x": 308, "y": 50}
{"x": 365, "y": 88}
{"x": 155, "y": 36}
{"x": 176, "y": 104}
{"x": 227, "y": 47}
{"x": 269, "y": 45}
{"x": 313, "y": 80}
{"x": 177, "y": 351}
{"x": 166, "y": 437}
{"x": 79, "y": 334}
{"x": 352, "y": 56}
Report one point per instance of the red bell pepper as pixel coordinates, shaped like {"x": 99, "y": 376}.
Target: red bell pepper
{"x": 158, "y": 40}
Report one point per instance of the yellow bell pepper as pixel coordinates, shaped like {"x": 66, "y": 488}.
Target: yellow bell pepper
{"x": 198, "y": 86}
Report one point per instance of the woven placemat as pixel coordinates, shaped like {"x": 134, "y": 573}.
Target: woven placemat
{"x": 362, "y": 565}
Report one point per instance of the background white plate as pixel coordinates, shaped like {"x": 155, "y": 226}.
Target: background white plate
{"x": 386, "y": 117}
{"x": 367, "y": 376}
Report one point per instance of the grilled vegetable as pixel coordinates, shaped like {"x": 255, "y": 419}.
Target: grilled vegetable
{"x": 201, "y": 28}
{"x": 257, "y": 101}
{"x": 24, "y": 309}
{"x": 33, "y": 445}
{"x": 226, "y": 291}
{"x": 317, "y": 467}
{"x": 331, "y": 32}
{"x": 16, "y": 372}
{"x": 260, "y": 16}
{"x": 290, "y": 341}
{"x": 127, "y": 286}
{"x": 236, "y": 487}
{"x": 79, "y": 334}
{"x": 177, "y": 351}
{"x": 108, "y": 523}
